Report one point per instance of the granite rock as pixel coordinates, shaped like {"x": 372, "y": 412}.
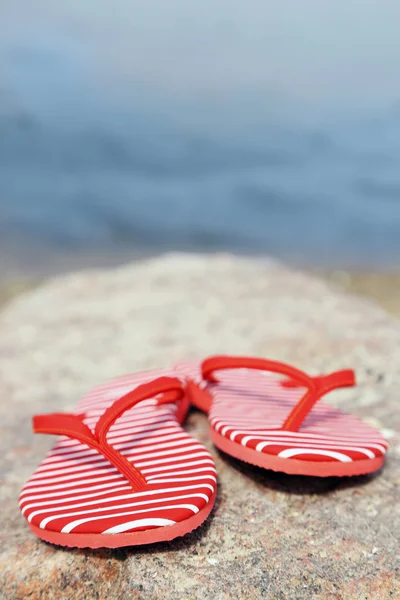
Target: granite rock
{"x": 270, "y": 535}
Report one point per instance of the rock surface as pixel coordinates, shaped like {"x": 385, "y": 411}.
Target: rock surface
{"x": 270, "y": 535}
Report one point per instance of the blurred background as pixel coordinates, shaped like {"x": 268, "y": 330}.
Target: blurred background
{"x": 128, "y": 129}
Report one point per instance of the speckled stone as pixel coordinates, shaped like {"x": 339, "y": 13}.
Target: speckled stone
{"x": 270, "y": 535}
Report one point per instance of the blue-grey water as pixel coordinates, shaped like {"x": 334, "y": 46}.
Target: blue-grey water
{"x": 259, "y": 127}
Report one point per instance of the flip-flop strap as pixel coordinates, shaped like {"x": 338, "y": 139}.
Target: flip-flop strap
{"x": 316, "y": 386}
{"x": 72, "y": 426}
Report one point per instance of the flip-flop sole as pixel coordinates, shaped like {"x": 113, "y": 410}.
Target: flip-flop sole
{"x": 293, "y": 466}
{"x": 74, "y": 486}
{"x": 246, "y": 412}
{"x": 117, "y": 540}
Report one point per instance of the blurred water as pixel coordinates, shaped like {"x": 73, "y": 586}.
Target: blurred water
{"x": 266, "y": 127}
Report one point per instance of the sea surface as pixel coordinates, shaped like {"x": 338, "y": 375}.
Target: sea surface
{"x": 134, "y": 128}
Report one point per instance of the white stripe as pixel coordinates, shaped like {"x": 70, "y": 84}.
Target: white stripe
{"x": 131, "y": 414}
{"x": 303, "y": 436}
{"x": 164, "y": 433}
{"x": 61, "y": 456}
{"x": 145, "y": 407}
{"x": 81, "y": 449}
{"x": 75, "y": 468}
{"x": 177, "y": 479}
{"x": 51, "y": 505}
{"x": 296, "y": 451}
{"x": 58, "y": 452}
{"x": 174, "y": 473}
{"x": 95, "y": 459}
{"x": 172, "y": 427}
{"x": 37, "y": 479}
{"x": 134, "y": 423}
{"x": 107, "y": 487}
{"x": 309, "y": 442}
{"x": 44, "y": 488}
{"x": 32, "y": 489}
{"x": 122, "y": 385}
{"x": 118, "y": 438}
{"x": 140, "y": 523}
{"x": 369, "y": 453}
{"x": 72, "y": 466}
{"x": 74, "y": 472}
{"x": 64, "y": 441}
{"x": 145, "y": 494}
{"x": 175, "y": 460}
{"x": 89, "y": 453}
{"x": 134, "y": 456}
{"x": 185, "y": 441}
{"x": 147, "y": 502}
{"x": 229, "y": 417}
{"x": 151, "y": 422}
{"x": 68, "y": 528}
{"x": 192, "y": 463}
{"x": 125, "y": 488}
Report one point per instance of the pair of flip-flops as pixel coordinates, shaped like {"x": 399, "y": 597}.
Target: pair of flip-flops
{"x": 124, "y": 472}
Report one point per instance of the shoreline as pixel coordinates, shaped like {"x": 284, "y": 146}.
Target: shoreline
{"x": 381, "y": 287}
{"x": 378, "y": 285}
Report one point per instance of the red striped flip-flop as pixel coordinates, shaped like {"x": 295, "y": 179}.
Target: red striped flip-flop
{"x": 277, "y": 424}
{"x": 124, "y": 471}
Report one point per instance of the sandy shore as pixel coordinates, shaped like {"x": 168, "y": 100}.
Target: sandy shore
{"x": 381, "y": 287}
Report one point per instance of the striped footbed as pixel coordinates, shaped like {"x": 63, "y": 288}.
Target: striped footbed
{"x": 75, "y": 489}
{"x": 249, "y": 406}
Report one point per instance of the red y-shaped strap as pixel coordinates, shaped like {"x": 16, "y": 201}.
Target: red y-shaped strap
{"x": 72, "y": 425}
{"x": 317, "y": 386}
